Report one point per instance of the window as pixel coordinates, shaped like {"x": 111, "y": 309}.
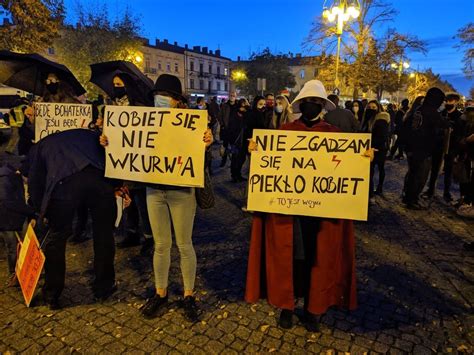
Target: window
{"x": 210, "y": 68}
{"x": 192, "y": 66}
{"x": 302, "y": 73}
{"x": 191, "y": 83}
{"x": 176, "y": 68}
{"x": 226, "y": 86}
{"x": 201, "y": 68}
{"x": 168, "y": 67}
{"x": 147, "y": 65}
{"x": 51, "y": 51}
{"x": 218, "y": 70}
{"x": 210, "y": 85}
{"x": 201, "y": 84}
{"x": 226, "y": 72}
{"x": 218, "y": 86}
{"x": 159, "y": 66}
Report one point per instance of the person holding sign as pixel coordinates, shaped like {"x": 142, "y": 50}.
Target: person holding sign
{"x": 300, "y": 256}
{"x": 172, "y": 206}
{"x": 66, "y": 169}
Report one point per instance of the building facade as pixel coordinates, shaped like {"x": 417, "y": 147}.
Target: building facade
{"x": 203, "y": 72}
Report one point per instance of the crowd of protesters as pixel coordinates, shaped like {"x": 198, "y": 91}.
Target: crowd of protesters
{"x": 65, "y": 182}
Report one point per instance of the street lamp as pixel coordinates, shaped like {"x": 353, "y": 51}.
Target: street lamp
{"x": 400, "y": 66}
{"x": 238, "y": 75}
{"x": 340, "y": 11}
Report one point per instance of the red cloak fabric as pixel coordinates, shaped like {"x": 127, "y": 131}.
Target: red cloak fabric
{"x": 333, "y": 278}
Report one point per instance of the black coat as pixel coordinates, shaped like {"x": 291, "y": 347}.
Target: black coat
{"x": 423, "y": 125}
{"x": 13, "y": 209}
{"x": 57, "y": 157}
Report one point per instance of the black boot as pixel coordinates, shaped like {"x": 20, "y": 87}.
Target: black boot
{"x": 286, "y": 319}
{"x": 310, "y": 322}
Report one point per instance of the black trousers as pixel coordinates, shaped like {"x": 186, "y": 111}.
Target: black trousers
{"x": 379, "y": 162}
{"x": 418, "y": 170}
{"x": 436, "y": 161}
{"x": 90, "y": 187}
{"x": 397, "y": 146}
{"x": 448, "y": 172}
{"x": 237, "y": 161}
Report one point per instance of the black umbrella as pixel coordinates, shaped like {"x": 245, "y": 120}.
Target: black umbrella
{"x": 28, "y": 72}
{"x": 138, "y": 85}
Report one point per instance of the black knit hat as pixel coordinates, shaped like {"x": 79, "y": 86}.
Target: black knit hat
{"x": 171, "y": 85}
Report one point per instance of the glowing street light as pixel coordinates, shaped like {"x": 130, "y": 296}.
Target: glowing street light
{"x": 238, "y": 75}
{"x": 400, "y": 66}
{"x": 341, "y": 11}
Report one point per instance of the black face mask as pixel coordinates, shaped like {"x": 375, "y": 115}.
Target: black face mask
{"x": 52, "y": 88}
{"x": 310, "y": 110}
{"x": 370, "y": 113}
{"x": 449, "y": 107}
{"x": 119, "y": 91}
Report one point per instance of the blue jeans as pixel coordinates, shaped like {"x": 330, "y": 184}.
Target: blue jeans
{"x": 167, "y": 209}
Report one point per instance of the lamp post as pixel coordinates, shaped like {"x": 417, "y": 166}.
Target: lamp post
{"x": 340, "y": 12}
{"x": 400, "y": 66}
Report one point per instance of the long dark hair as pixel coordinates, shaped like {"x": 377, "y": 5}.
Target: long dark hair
{"x": 417, "y": 103}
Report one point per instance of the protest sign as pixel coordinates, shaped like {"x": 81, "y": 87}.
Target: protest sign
{"x": 155, "y": 145}
{"x": 56, "y": 117}
{"x": 29, "y": 264}
{"x": 310, "y": 174}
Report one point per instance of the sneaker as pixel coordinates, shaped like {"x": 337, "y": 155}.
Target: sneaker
{"x": 427, "y": 194}
{"x": 310, "y": 322}
{"x": 286, "y": 319}
{"x": 153, "y": 305}
{"x": 190, "y": 309}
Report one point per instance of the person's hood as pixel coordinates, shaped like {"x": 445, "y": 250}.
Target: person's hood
{"x": 434, "y": 98}
{"x": 312, "y": 88}
{"x": 385, "y": 116}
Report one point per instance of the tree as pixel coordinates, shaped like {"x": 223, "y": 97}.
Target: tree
{"x": 423, "y": 81}
{"x": 356, "y": 35}
{"x": 466, "y": 35}
{"x": 35, "y": 24}
{"x": 96, "y": 39}
{"x": 273, "y": 67}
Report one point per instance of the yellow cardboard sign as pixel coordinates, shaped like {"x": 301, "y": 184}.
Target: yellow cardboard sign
{"x": 155, "y": 145}
{"x": 310, "y": 174}
{"x": 29, "y": 264}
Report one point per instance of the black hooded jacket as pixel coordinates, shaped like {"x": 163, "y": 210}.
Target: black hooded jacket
{"x": 423, "y": 124}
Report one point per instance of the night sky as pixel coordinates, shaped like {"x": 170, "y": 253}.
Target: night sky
{"x": 241, "y": 27}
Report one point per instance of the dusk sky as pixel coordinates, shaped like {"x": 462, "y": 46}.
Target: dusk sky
{"x": 241, "y": 27}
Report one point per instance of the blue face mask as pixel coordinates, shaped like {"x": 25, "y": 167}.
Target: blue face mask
{"x": 162, "y": 101}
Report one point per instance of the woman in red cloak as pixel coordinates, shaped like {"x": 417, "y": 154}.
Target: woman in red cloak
{"x": 299, "y": 256}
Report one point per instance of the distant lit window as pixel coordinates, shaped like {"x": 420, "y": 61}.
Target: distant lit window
{"x": 302, "y": 73}
{"x": 226, "y": 72}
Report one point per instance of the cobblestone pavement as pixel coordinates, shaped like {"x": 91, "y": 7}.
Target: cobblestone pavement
{"x": 415, "y": 287}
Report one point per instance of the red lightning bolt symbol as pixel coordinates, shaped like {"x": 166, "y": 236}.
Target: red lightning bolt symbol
{"x": 338, "y": 161}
